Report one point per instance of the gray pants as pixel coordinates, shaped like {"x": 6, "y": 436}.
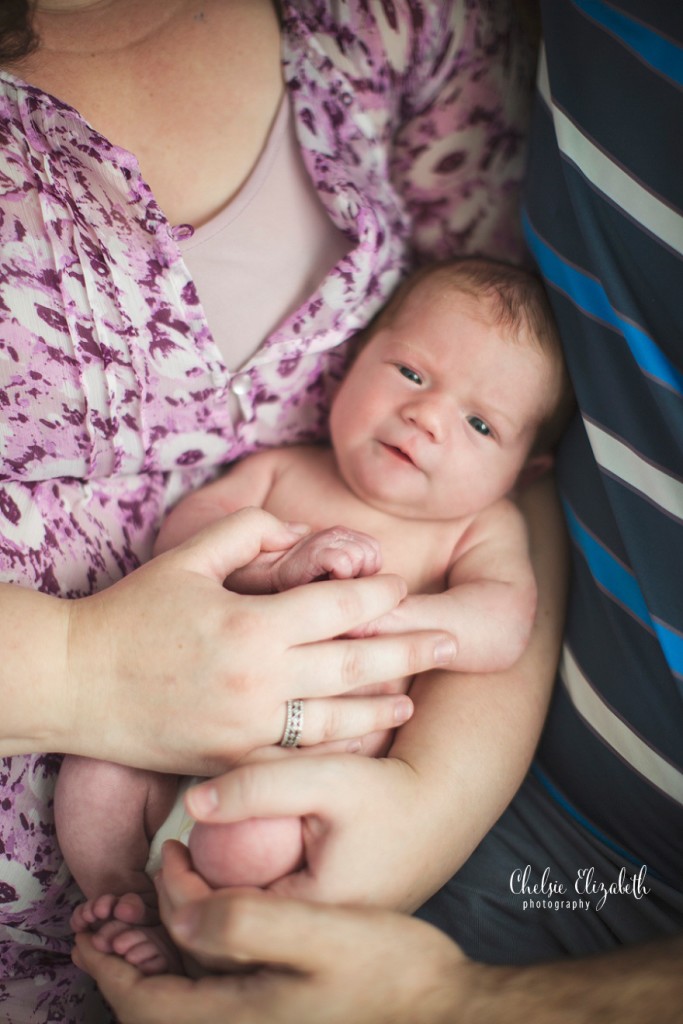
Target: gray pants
{"x": 527, "y": 893}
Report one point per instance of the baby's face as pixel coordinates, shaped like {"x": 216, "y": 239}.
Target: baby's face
{"x": 437, "y": 415}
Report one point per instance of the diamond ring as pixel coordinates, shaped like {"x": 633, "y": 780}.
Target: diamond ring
{"x": 294, "y": 724}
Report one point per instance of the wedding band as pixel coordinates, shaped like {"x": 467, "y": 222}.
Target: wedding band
{"x": 294, "y": 725}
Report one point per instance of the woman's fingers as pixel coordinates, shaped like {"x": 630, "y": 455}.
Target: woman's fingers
{"x": 195, "y": 676}
{"x": 345, "y": 718}
{"x": 232, "y": 542}
{"x": 345, "y": 664}
{"x": 329, "y": 608}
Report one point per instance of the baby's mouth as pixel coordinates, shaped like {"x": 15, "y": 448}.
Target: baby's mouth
{"x": 399, "y": 453}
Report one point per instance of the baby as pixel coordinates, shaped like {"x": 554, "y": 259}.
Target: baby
{"x": 456, "y": 397}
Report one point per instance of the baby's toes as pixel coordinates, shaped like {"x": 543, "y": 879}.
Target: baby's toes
{"x": 132, "y": 909}
{"x": 92, "y": 912}
{"x": 144, "y": 950}
{"x": 104, "y": 938}
{"x": 81, "y": 918}
{"x": 102, "y": 908}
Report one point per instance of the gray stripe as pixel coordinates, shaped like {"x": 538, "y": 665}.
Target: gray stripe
{"x": 659, "y": 772}
{"x": 655, "y": 216}
{"x": 660, "y": 488}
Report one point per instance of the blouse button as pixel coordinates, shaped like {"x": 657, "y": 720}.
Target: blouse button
{"x": 241, "y": 384}
{"x": 180, "y": 232}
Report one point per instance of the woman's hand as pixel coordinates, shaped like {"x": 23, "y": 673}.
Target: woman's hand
{"x": 315, "y": 964}
{"x": 170, "y": 671}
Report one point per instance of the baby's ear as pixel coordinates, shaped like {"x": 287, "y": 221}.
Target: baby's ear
{"x": 536, "y": 466}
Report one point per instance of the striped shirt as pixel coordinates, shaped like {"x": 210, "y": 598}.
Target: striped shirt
{"x": 604, "y": 220}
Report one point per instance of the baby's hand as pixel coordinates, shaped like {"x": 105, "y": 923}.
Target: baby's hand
{"x": 336, "y": 553}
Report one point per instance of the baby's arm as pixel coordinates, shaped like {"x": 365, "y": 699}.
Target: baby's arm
{"x": 490, "y": 601}
{"x": 245, "y": 484}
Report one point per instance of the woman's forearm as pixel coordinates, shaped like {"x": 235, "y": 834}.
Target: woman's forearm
{"x": 33, "y": 671}
{"x": 168, "y": 670}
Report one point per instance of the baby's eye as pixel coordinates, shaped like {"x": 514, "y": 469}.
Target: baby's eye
{"x": 478, "y": 424}
{"x": 410, "y": 374}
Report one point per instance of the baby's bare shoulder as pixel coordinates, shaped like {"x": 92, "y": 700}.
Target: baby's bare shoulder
{"x": 501, "y": 519}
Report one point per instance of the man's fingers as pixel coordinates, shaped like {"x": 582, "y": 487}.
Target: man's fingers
{"x": 177, "y": 883}
{"x": 256, "y": 928}
{"x": 291, "y": 787}
{"x": 160, "y": 1000}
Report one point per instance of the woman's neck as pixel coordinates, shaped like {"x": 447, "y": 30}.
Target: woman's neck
{"x": 100, "y": 26}
{"x": 68, "y": 6}
{"x": 191, "y": 87}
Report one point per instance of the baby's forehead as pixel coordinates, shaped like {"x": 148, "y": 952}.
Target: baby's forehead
{"x": 438, "y": 294}
{"x": 431, "y": 298}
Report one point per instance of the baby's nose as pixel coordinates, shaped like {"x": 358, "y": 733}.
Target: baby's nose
{"x": 428, "y": 416}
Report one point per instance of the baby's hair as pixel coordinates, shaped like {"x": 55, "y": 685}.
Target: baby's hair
{"x": 518, "y": 301}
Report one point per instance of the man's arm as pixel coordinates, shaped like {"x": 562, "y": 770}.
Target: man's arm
{"x": 632, "y": 985}
{"x": 472, "y": 735}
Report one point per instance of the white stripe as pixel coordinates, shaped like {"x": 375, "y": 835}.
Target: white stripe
{"x": 654, "y": 484}
{"x": 660, "y": 220}
{"x": 617, "y": 735}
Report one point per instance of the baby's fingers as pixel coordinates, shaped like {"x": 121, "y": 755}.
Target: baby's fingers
{"x": 350, "y": 561}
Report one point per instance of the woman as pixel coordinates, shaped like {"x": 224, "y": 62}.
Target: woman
{"x": 143, "y": 146}
{"x": 592, "y": 928}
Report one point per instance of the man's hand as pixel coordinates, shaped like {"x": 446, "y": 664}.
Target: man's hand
{"x": 301, "y": 963}
{"x": 306, "y": 963}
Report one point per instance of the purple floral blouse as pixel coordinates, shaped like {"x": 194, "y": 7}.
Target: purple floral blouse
{"x": 113, "y": 396}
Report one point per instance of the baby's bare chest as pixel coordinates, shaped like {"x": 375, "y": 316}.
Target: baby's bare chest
{"x": 420, "y": 551}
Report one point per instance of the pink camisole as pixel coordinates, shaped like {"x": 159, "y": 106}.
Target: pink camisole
{"x": 248, "y": 276}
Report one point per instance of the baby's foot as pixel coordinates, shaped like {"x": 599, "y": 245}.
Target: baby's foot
{"x": 125, "y": 925}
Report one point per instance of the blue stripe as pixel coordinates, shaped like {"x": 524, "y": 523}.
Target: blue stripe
{"x": 654, "y": 49}
{"x": 590, "y": 297}
{"x": 672, "y": 645}
{"x": 607, "y": 571}
{"x": 560, "y": 799}
{"x": 621, "y": 585}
